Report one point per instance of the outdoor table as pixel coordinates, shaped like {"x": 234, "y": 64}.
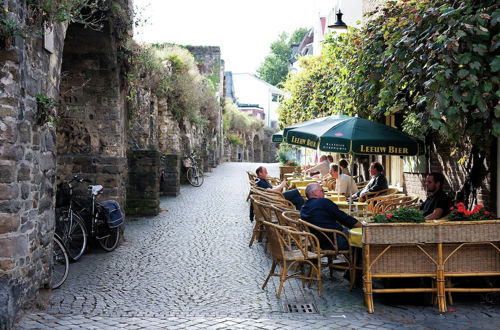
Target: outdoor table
{"x": 336, "y": 198}
{"x": 301, "y": 183}
{"x": 355, "y": 235}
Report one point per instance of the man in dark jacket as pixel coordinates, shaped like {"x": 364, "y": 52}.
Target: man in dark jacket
{"x": 377, "y": 182}
{"x": 437, "y": 205}
{"x": 291, "y": 195}
{"x": 324, "y": 213}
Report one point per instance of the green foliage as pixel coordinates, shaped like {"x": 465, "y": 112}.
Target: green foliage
{"x": 274, "y": 68}
{"x": 297, "y": 36}
{"x": 401, "y": 214}
{"x": 172, "y": 74}
{"x": 437, "y": 62}
{"x": 434, "y": 61}
{"x": 234, "y": 139}
{"x": 324, "y": 85}
{"x": 239, "y": 122}
{"x": 45, "y": 109}
{"x": 90, "y": 13}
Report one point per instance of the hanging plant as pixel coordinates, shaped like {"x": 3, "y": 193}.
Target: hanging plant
{"x": 45, "y": 109}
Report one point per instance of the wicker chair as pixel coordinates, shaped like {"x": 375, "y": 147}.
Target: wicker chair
{"x": 392, "y": 204}
{"x": 361, "y": 184}
{"x": 330, "y": 236}
{"x": 290, "y": 218}
{"x": 377, "y": 204}
{"x": 261, "y": 213}
{"x": 384, "y": 192}
{"x": 291, "y": 249}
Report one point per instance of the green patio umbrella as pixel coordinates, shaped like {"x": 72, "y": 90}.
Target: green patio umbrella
{"x": 344, "y": 134}
{"x": 277, "y": 137}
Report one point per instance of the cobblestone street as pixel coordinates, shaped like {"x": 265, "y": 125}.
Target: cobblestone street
{"x": 190, "y": 267}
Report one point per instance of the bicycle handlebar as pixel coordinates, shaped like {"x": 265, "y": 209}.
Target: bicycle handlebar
{"x": 78, "y": 179}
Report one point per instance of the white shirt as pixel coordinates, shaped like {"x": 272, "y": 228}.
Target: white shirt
{"x": 346, "y": 185}
{"x": 323, "y": 168}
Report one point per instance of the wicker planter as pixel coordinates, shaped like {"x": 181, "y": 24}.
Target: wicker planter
{"x": 288, "y": 169}
{"x": 439, "y": 250}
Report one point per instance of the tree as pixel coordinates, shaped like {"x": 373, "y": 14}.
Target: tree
{"x": 274, "y": 69}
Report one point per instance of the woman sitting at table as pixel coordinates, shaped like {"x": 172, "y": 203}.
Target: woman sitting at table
{"x": 324, "y": 213}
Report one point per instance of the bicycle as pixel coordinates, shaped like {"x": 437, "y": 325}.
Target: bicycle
{"x": 194, "y": 174}
{"x": 69, "y": 225}
{"x": 95, "y": 216}
{"x": 60, "y": 263}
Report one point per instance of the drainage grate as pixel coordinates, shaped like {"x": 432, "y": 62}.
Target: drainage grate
{"x": 300, "y": 308}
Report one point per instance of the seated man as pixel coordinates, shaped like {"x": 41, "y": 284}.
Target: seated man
{"x": 377, "y": 182}
{"x": 345, "y": 184}
{"x": 324, "y": 213}
{"x": 291, "y": 195}
{"x": 323, "y": 167}
{"x": 437, "y": 205}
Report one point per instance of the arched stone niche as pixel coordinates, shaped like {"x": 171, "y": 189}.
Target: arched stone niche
{"x": 90, "y": 129}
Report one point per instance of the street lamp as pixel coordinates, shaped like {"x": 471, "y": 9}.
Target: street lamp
{"x": 339, "y": 25}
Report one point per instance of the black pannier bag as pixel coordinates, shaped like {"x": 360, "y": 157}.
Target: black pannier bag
{"x": 111, "y": 213}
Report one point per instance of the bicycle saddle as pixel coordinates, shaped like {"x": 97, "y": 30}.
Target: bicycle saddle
{"x": 96, "y": 189}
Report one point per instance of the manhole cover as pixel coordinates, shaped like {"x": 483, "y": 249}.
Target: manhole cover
{"x": 299, "y": 308}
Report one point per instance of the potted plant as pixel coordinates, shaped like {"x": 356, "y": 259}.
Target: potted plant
{"x": 287, "y": 164}
{"x": 460, "y": 213}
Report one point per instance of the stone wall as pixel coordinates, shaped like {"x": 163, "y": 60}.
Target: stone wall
{"x": 170, "y": 175}
{"x": 89, "y": 139}
{"x": 143, "y": 193}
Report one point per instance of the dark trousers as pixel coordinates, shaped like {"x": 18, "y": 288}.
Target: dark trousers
{"x": 294, "y": 197}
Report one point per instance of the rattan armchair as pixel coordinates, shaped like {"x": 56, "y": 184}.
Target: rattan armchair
{"x": 384, "y": 192}
{"x": 291, "y": 249}
{"x": 330, "y": 239}
{"x": 261, "y": 213}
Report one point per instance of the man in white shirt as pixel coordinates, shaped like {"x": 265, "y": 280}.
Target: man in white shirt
{"x": 323, "y": 167}
{"x": 345, "y": 184}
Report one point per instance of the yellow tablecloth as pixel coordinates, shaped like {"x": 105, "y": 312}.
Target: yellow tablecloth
{"x": 355, "y": 236}
{"x": 301, "y": 183}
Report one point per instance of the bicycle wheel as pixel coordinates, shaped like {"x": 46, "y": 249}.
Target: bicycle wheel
{"x": 71, "y": 230}
{"x": 60, "y": 263}
{"x": 109, "y": 238}
{"x": 195, "y": 176}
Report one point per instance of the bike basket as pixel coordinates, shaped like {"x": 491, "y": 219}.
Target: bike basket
{"x": 187, "y": 162}
{"x": 111, "y": 213}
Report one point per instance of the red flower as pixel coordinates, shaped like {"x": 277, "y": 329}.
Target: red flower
{"x": 460, "y": 205}
{"x": 451, "y": 208}
{"x": 486, "y": 212}
{"x": 388, "y": 215}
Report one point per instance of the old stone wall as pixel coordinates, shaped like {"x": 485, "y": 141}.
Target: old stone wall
{"x": 143, "y": 194}
{"x": 91, "y": 125}
{"x": 27, "y": 166}
{"x": 63, "y": 65}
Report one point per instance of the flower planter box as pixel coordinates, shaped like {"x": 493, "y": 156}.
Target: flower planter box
{"x": 288, "y": 169}
{"x": 439, "y": 250}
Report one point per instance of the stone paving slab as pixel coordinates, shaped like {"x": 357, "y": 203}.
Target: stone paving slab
{"x": 190, "y": 267}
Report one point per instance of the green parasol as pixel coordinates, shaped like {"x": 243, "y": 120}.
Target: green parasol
{"x": 344, "y": 134}
{"x": 278, "y": 137}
